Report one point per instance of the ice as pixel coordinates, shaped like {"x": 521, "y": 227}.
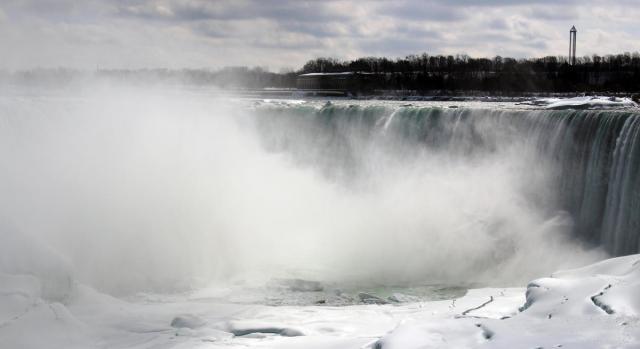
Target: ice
{"x": 559, "y": 312}
{"x": 587, "y": 102}
{"x": 187, "y": 321}
{"x": 370, "y": 299}
{"x": 253, "y": 328}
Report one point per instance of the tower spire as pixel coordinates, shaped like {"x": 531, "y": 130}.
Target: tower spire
{"x": 572, "y": 45}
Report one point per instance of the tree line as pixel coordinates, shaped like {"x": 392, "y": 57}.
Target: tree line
{"x": 610, "y": 73}
{"x": 419, "y": 74}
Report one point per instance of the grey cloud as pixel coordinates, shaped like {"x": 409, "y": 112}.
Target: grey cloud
{"x": 401, "y": 45}
{"x": 498, "y": 24}
{"x": 215, "y": 29}
{"x": 312, "y": 18}
{"x": 318, "y": 30}
{"x": 556, "y": 14}
{"x": 493, "y": 3}
{"x": 415, "y": 31}
{"x": 537, "y": 44}
{"x": 34, "y": 7}
{"x": 424, "y": 11}
{"x": 198, "y": 10}
{"x": 287, "y": 32}
{"x": 283, "y": 44}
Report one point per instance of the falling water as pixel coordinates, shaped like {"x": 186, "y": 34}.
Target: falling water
{"x": 153, "y": 189}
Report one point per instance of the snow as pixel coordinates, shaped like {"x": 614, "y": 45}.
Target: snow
{"x": 328, "y": 74}
{"x": 586, "y": 102}
{"x": 49, "y": 274}
{"x": 187, "y": 321}
{"x": 557, "y": 311}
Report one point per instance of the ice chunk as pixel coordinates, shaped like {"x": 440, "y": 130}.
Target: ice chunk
{"x": 371, "y": 299}
{"x": 250, "y": 328}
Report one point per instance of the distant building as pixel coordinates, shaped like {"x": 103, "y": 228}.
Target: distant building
{"x": 572, "y": 45}
{"x": 343, "y": 81}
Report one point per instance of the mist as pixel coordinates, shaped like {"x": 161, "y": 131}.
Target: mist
{"x": 156, "y": 189}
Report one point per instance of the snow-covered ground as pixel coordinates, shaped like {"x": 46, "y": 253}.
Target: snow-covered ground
{"x": 596, "y": 306}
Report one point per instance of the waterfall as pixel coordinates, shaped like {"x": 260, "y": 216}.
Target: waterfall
{"x": 594, "y": 155}
{"x": 162, "y": 190}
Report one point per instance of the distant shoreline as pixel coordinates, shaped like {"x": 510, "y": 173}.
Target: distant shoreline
{"x": 438, "y": 96}
{"x": 64, "y": 78}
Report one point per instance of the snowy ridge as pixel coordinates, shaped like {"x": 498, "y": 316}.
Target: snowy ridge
{"x": 592, "y": 307}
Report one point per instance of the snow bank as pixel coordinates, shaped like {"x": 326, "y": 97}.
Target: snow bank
{"x": 611, "y": 286}
{"x": 591, "y": 307}
{"x": 587, "y": 102}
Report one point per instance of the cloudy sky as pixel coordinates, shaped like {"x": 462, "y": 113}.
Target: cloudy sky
{"x": 281, "y": 34}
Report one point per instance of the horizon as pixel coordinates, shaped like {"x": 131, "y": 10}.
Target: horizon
{"x": 300, "y": 69}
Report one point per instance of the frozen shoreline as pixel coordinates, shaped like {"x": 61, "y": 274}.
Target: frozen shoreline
{"x": 589, "y": 307}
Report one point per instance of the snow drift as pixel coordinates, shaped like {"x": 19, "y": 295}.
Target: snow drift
{"x": 558, "y": 311}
